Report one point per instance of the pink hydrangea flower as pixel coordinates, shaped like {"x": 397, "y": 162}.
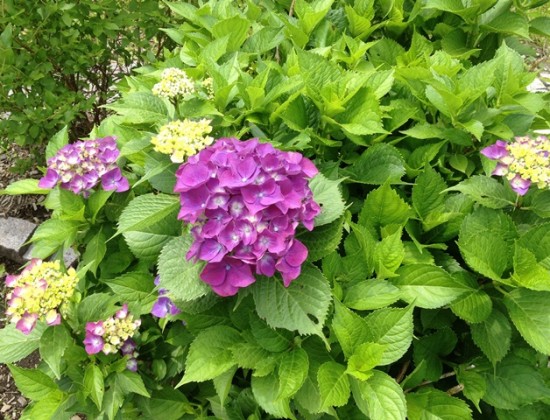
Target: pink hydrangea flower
{"x": 246, "y": 200}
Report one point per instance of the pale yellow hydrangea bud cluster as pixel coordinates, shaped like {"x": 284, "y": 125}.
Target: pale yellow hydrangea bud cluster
{"x": 208, "y": 86}
{"x": 181, "y": 139}
{"x": 38, "y": 292}
{"x": 530, "y": 158}
{"x": 174, "y": 82}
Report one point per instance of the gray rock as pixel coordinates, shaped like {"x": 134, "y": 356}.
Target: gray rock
{"x": 14, "y": 233}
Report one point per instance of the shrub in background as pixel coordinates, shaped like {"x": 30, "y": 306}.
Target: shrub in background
{"x": 60, "y": 60}
{"x": 426, "y": 285}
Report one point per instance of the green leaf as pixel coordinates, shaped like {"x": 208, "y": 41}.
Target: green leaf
{"x": 327, "y": 194}
{"x": 140, "y": 108}
{"x": 136, "y": 289}
{"x": 428, "y": 286}
{"x": 223, "y": 383}
{"x": 60, "y": 139}
{"x": 263, "y": 389}
{"x": 388, "y": 255}
{"x": 514, "y": 383}
{"x": 96, "y": 307}
{"x": 486, "y": 191}
{"x": 485, "y": 241}
{"x": 493, "y": 336}
{"x": 371, "y": 294}
{"x": 94, "y": 384}
{"x": 322, "y": 240}
{"x": 381, "y": 163}
{"x": 271, "y": 339}
{"x": 127, "y": 381}
{"x": 509, "y": 23}
{"x": 334, "y": 385}
{"x": 427, "y": 194}
{"x": 474, "y": 306}
{"x": 210, "y": 354}
{"x": 474, "y": 385}
{"x": 302, "y": 306}
{"x": 95, "y": 251}
{"x": 167, "y": 404}
{"x": 380, "y": 397}
{"x": 392, "y": 327}
{"x": 529, "y": 313}
{"x": 293, "y": 370}
{"x": 53, "y": 234}
{"x": 528, "y": 272}
{"x": 179, "y": 276}
{"x": 236, "y": 28}
{"x": 53, "y": 343}
{"x": 24, "y": 186}
{"x": 146, "y": 210}
{"x": 33, "y": 383}
{"x": 350, "y": 329}
{"x": 537, "y": 241}
{"x": 364, "y": 359}
{"x": 311, "y": 13}
{"x": 383, "y": 207}
{"x": 540, "y": 25}
{"x": 14, "y": 345}
{"x": 430, "y": 403}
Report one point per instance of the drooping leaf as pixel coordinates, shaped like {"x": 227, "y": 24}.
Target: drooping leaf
{"x": 94, "y": 385}
{"x": 371, "y": 294}
{"x": 146, "y": 210}
{"x": 322, "y": 240}
{"x": 263, "y": 389}
{"x": 381, "y": 163}
{"x": 293, "y": 369}
{"x": 486, "y": 191}
{"x": 14, "y": 345}
{"x": 350, "y": 329}
{"x": 33, "y": 383}
{"x": 382, "y": 207}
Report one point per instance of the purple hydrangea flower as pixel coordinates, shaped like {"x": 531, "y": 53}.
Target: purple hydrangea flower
{"x": 246, "y": 200}
{"x": 80, "y": 166}
{"x": 113, "y": 334}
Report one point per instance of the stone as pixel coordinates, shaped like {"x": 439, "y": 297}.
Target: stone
{"x": 14, "y": 233}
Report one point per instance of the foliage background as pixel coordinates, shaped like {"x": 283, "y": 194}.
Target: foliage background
{"x": 426, "y": 289}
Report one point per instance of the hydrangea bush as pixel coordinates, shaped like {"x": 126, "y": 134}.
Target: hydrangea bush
{"x": 295, "y": 216}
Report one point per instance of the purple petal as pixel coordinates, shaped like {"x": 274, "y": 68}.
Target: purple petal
{"x": 495, "y": 151}
{"x": 132, "y": 364}
{"x": 520, "y": 185}
{"x": 49, "y": 180}
{"x": 212, "y": 251}
{"x": 161, "y": 307}
{"x": 191, "y": 176}
{"x": 214, "y": 273}
{"x": 26, "y": 323}
{"x": 93, "y": 344}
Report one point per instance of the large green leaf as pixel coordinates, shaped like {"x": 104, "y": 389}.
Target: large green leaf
{"x": 293, "y": 370}
{"x": 94, "y": 384}
{"x": 350, "y": 329}
{"x": 427, "y": 196}
{"x": 53, "y": 343}
{"x": 514, "y": 383}
{"x": 322, "y": 240}
{"x": 493, "y": 336}
{"x": 210, "y": 354}
{"x": 392, "y": 327}
{"x": 371, "y": 294}
{"x": 334, "y": 385}
{"x": 146, "y": 210}
{"x": 380, "y": 397}
{"x": 33, "y": 383}
{"x": 178, "y": 275}
{"x": 430, "y": 403}
{"x": 382, "y": 207}
{"x": 486, "y": 191}
{"x": 14, "y": 345}
{"x": 302, "y": 306}
{"x": 263, "y": 389}
{"x": 381, "y": 163}
{"x": 529, "y": 313}
{"x": 141, "y": 108}
{"x": 428, "y": 286}
{"x": 24, "y": 186}
{"x": 135, "y": 288}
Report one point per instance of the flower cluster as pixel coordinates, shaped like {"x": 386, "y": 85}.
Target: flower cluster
{"x": 38, "y": 292}
{"x": 208, "y": 86}
{"x": 80, "y": 166}
{"x": 114, "y": 334}
{"x": 174, "y": 82}
{"x": 524, "y": 162}
{"x": 183, "y": 138}
{"x": 246, "y": 200}
{"x": 164, "y": 305}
